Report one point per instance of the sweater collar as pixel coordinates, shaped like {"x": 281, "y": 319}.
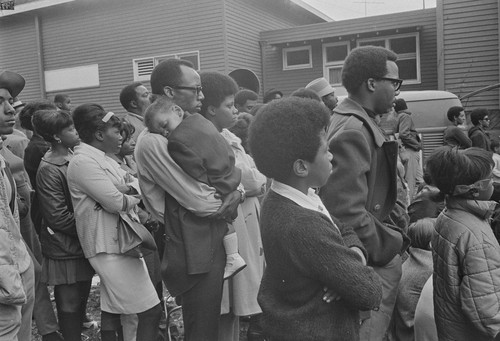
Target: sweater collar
{"x": 311, "y": 201}
{"x": 57, "y": 160}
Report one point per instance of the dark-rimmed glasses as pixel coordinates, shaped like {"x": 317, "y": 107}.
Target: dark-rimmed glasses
{"x": 396, "y": 82}
{"x": 195, "y": 89}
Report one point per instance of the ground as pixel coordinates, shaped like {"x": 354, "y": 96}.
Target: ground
{"x": 95, "y": 312}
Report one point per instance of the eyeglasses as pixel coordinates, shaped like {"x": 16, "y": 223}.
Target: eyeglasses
{"x": 396, "y": 82}
{"x": 486, "y": 119}
{"x": 195, "y": 89}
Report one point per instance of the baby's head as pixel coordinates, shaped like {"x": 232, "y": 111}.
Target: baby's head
{"x": 462, "y": 173}
{"x": 163, "y": 116}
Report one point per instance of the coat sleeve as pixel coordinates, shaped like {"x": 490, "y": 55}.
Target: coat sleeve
{"x": 405, "y": 133}
{"x": 346, "y": 191}
{"x": 323, "y": 255}
{"x": 97, "y": 185}
{"x": 480, "y": 286}
{"x": 252, "y": 180}
{"x": 462, "y": 139}
{"x": 152, "y": 155}
{"x": 53, "y": 201}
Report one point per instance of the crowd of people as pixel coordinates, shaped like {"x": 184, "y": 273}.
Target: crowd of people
{"x": 299, "y": 215}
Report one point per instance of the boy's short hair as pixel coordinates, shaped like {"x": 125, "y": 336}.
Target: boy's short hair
{"x": 47, "y": 123}
{"x": 244, "y": 95}
{"x": 477, "y": 115}
{"x": 216, "y": 87}
{"x": 60, "y": 98}
{"x": 284, "y": 131}
{"x": 454, "y": 112}
{"x": 363, "y": 63}
{"x": 160, "y": 104}
{"x": 449, "y": 167}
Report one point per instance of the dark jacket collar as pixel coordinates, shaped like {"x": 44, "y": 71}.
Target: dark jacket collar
{"x": 350, "y": 107}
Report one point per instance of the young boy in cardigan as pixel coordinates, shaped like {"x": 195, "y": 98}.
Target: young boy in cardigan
{"x": 316, "y": 281}
{"x": 200, "y": 150}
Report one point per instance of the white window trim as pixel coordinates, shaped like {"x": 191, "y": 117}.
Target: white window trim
{"x": 296, "y": 67}
{"x": 155, "y": 60}
{"x": 328, "y": 65}
{"x": 401, "y": 56}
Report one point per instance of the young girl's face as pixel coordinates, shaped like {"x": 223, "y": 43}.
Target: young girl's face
{"x": 321, "y": 168}
{"x": 128, "y": 146}
{"x": 69, "y": 136}
{"x": 486, "y": 189}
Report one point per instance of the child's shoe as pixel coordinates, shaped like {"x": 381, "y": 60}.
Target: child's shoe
{"x": 234, "y": 264}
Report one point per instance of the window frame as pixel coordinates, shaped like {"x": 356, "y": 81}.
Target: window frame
{"x": 405, "y": 56}
{"x": 155, "y": 60}
{"x": 338, "y": 64}
{"x": 300, "y": 66}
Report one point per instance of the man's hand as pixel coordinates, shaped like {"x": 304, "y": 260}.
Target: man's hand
{"x": 229, "y": 206}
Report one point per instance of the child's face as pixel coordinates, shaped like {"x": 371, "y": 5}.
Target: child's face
{"x": 321, "y": 168}
{"x": 166, "y": 121}
{"x": 486, "y": 189}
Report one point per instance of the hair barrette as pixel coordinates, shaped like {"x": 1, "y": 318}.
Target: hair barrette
{"x": 107, "y": 117}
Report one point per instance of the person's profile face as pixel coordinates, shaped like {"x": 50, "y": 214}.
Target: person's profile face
{"x": 142, "y": 98}
{"x": 7, "y": 112}
{"x": 321, "y": 168}
{"x": 385, "y": 91}
{"x": 247, "y": 106}
{"x": 188, "y": 99}
{"x": 69, "y": 136}
{"x": 66, "y": 104}
{"x": 225, "y": 114}
{"x": 460, "y": 119}
{"x": 164, "y": 122}
{"x": 330, "y": 101}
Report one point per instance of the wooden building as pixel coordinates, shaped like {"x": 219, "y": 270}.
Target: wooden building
{"x": 91, "y": 49}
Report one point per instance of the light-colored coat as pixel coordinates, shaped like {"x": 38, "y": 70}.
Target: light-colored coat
{"x": 92, "y": 177}
{"x": 466, "y": 258}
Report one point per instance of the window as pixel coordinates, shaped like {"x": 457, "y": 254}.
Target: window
{"x": 143, "y": 67}
{"x": 333, "y": 58}
{"x": 407, "y": 48}
{"x": 297, "y": 58}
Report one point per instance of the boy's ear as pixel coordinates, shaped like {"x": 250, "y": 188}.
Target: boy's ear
{"x": 177, "y": 109}
{"x": 300, "y": 168}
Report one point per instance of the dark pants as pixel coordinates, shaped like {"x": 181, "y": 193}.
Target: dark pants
{"x": 201, "y": 303}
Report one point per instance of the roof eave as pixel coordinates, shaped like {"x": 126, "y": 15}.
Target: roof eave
{"x": 32, "y": 6}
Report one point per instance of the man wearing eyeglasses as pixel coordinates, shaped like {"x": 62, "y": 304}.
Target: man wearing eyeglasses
{"x": 478, "y": 134}
{"x": 362, "y": 189}
{"x": 171, "y": 195}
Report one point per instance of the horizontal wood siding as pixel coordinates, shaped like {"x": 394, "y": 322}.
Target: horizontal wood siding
{"x": 290, "y": 80}
{"x": 245, "y": 19}
{"x": 112, "y": 33}
{"x": 470, "y": 49}
{"x": 18, "y": 52}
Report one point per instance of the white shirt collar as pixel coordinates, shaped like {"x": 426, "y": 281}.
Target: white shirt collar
{"x": 311, "y": 201}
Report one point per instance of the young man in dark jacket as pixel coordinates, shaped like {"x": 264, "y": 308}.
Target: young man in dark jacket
{"x": 478, "y": 134}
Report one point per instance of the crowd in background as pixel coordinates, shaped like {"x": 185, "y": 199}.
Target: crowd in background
{"x": 299, "y": 215}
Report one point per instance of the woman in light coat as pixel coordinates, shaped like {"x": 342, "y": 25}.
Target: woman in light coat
{"x": 100, "y": 191}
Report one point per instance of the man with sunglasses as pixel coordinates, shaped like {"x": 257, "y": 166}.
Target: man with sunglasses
{"x": 478, "y": 134}
{"x": 173, "y": 196}
{"x": 362, "y": 189}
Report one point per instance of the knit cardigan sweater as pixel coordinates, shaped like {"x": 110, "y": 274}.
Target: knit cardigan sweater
{"x": 304, "y": 253}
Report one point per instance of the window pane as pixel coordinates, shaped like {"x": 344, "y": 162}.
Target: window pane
{"x": 334, "y": 75}
{"x": 407, "y": 69}
{"x": 299, "y": 57}
{"x": 191, "y": 58}
{"x": 373, "y": 43}
{"x": 403, "y": 45}
{"x": 336, "y": 53}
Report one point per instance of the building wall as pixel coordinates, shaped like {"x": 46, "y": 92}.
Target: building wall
{"x": 470, "y": 31}
{"x": 244, "y": 20}
{"x": 18, "y": 52}
{"x": 317, "y": 34}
